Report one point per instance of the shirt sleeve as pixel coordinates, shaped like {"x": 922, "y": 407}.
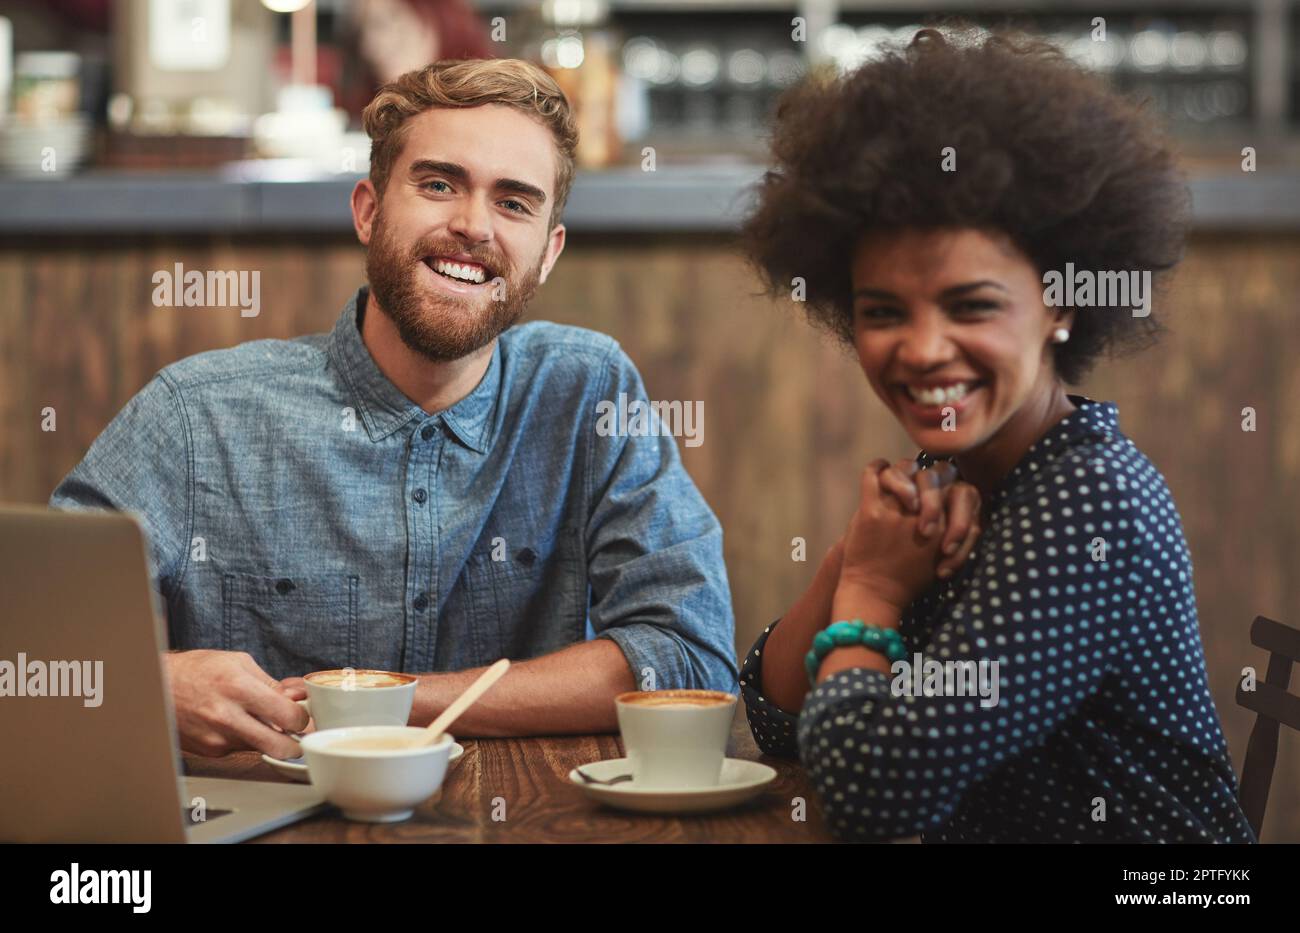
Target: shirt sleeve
{"x": 140, "y": 464}
{"x": 774, "y": 729}
{"x": 888, "y": 760}
{"x": 654, "y": 551}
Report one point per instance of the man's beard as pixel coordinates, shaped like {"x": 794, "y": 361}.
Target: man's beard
{"x": 441, "y": 327}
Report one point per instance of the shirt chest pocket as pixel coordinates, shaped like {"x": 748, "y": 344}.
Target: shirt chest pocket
{"x": 292, "y": 624}
{"x": 526, "y": 601}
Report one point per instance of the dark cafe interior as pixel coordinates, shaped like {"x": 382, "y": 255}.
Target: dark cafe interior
{"x": 650, "y": 421}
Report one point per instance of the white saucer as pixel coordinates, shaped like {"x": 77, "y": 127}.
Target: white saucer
{"x": 296, "y": 768}
{"x": 741, "y": 780}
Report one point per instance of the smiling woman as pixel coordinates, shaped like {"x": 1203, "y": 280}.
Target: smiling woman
{"x": 925, "y": 199}
{"x": 1044, "y": 154}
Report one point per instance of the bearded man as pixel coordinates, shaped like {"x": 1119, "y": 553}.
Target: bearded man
{"x": 424, "y": 488}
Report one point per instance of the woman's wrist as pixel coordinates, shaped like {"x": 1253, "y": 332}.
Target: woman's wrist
{"x": 850, "y": 658}
{"x": 852, "y": 643}
{"x": 857, "y": 598}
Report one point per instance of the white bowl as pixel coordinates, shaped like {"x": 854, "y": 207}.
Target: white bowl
{"x": 23, "y": 144}
{"x": 376, "y": 786}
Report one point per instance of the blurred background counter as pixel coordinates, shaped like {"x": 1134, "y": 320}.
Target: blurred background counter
{"x": 204, "y": 85}
{"x": 673, "y": 199}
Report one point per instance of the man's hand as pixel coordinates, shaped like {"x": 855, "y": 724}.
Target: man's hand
{"x": 296, "y": 687}
{"x": 945, "y": 504}
{"x": 224, "y": 702}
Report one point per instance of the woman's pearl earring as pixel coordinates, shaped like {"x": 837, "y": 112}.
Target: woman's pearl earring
{"x": 1060, "y": 335}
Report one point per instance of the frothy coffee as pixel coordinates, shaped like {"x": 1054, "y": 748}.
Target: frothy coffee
{"x": 359, "y": 679}
{"x": 373, "y": 743}
{"x": 658, "y": 698}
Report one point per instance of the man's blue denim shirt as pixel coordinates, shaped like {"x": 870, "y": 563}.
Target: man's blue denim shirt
{"x": 299, "y": 507}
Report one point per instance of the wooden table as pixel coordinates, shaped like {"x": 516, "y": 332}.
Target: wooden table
{"x": 530, "y": 777}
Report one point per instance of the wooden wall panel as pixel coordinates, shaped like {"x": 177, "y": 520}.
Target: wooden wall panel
{"x": 789, "y": 419}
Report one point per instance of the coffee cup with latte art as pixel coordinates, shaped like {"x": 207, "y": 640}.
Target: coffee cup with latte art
{"x": 675, "y": 739}
{"x": 349, "y": 697}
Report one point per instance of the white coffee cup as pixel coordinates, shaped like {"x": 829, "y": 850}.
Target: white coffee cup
{"x": 348, "y": 697}
{"x": 376, "y": 785}
{"x": 675, "y": 739}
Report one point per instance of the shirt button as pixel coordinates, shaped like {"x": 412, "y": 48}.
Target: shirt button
{"x": 421, "y": 603}
{"x": 427, "y": 433}
{"x": 420, "y": 495}
{"x": 284, "y": 586}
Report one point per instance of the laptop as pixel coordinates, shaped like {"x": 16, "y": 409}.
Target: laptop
{"x": 90, "y": 751}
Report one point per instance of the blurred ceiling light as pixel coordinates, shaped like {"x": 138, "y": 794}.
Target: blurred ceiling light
{"x": 700, "y": 66}
{"x": 645, "y": 59}
{"x": 1077, "y": 49}
{"x": 746, "y": 66}
{"x": 1188, "y": 51}
{"x": 1108, "y": 55}
{"x": 564, "y": 52}
{"x": 641, "y": 56}
{"x": 574, "y": 12}
{"x": 285, "y": 6}
{"x": 1227, "y": 49}
{"x": 1149, "y": 50}
{"x": 669, "y": 70}
{"x": 1086, "y": 51}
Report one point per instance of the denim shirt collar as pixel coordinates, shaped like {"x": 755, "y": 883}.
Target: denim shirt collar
{"x": 383, "y": 407}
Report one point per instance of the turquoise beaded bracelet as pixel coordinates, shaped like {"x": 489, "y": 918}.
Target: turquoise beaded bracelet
{"x": 855, "y": 632}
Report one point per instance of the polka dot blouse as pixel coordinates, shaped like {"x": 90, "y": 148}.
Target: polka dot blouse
{"x": 1080, "y": 587}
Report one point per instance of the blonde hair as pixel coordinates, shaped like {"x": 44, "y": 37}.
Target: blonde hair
{"x": 473, "y": 83}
